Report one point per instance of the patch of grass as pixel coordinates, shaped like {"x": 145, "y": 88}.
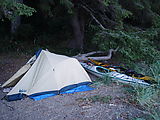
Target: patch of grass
{"x": 148, "y": 96}
{"x": 129, "y": 89}
{"x": 139, "y": 119}
{"x": 105, "y": 80}
{"x": 97, "y": 98}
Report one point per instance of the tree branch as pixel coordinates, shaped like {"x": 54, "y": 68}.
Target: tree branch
{"x": 101, "y": 26}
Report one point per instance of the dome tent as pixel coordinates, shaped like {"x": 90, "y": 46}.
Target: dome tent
{"x": 50, "y": 75}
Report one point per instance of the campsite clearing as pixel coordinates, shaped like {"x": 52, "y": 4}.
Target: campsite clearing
{"x": 75, "y": 106}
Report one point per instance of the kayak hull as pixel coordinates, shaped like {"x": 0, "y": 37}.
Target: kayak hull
{"x": 100, "y": 71}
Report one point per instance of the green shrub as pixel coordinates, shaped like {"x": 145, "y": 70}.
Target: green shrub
{"x": 134, "y": 46}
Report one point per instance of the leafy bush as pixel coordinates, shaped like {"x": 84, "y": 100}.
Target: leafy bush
{"x": 133, "y": 45}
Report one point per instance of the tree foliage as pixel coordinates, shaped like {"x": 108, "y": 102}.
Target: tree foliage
{"x": 136, "y": 32}
{"x": 133, "y": 25}
{"x": 132, "y": 45}
{"x": 10, "y": 9}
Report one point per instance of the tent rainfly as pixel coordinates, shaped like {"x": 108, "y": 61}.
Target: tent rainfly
{"x": 50, "y": 75}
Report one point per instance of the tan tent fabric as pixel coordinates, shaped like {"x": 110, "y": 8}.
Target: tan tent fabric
{"x": 50, "y": 72}
{"x": 17, "y": 76}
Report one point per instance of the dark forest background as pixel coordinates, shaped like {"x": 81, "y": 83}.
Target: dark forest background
{"x": 73, "y": 26}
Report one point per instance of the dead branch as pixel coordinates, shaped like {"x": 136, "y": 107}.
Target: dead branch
{"x": 84, "y": 57}
{"x": 101, "y": 26}
{"x": 99, "y": 13}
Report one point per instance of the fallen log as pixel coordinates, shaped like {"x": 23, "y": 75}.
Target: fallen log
{"x": 85, "y": 57}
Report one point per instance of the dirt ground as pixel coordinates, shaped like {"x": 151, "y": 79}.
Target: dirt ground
{"x": 75, "y": 106}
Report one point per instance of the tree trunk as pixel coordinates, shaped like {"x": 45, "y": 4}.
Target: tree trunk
{"x": 15, "y": 24}
{"x": 16, "y": 21}
{"x": 77, "y": 24}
